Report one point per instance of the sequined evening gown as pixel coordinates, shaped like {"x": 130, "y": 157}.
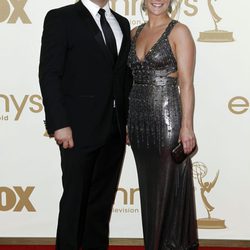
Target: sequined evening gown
{"x": 166, "y": 188}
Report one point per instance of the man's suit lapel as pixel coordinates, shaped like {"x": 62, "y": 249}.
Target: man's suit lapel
{"x": 94, "y": 29}
{"x": 125, "y": 39}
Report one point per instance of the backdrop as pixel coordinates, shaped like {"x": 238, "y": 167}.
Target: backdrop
{"x": 30, "y": 176}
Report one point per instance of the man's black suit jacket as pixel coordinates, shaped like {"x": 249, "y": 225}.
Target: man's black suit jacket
{"x": 78, "y": 77}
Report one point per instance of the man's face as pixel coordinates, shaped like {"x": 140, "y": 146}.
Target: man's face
{"x": 101, "y": 3}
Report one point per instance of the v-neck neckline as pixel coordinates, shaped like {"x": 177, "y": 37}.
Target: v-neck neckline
{"x": 152, "y": 47}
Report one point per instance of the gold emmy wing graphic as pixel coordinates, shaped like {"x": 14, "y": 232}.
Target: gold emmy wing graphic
{"x": 199, "y": 172}
{"x": 215, "y": 35}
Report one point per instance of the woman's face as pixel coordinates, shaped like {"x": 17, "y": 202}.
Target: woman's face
{"x": 157, "y": 7}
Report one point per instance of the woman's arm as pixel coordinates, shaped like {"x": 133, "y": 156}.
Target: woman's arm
{"x": 185, "y": 55}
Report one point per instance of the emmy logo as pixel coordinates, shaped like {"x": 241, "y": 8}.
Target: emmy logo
{"x": 199, "y": 172}
{"x": 215, "y": 35}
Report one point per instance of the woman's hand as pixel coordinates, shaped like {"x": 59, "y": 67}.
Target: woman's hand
{"x": 187, "y": 137}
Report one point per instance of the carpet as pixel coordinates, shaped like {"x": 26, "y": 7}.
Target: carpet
{"x": 110, "y": 248}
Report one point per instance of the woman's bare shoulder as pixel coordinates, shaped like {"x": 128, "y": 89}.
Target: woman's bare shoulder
{"x": 181, "y": 31}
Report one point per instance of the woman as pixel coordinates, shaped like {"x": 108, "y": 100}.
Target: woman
{"x": 162, "y": 60}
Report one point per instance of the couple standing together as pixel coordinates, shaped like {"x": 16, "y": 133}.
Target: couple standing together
{"x": 96, "y": 78}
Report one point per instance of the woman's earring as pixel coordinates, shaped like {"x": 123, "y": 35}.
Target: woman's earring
{"x": 143, "y": 6}
{"x": 170, "y": 9}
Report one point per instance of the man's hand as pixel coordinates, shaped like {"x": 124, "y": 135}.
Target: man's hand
{"x": 64, "y": 137}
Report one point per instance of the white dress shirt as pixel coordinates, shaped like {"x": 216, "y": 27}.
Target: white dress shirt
{"x": 93, "y": 9}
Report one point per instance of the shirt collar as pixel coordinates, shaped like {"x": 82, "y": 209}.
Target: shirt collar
{"x": 94, "y": 8}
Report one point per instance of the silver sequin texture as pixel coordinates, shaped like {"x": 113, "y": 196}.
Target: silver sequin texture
{"x": 154, "y": 112}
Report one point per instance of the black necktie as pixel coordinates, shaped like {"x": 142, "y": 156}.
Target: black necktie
{"x": 108, "y": 34}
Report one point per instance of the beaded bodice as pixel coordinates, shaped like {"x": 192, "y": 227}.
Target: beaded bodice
{"x": 157, "y": 64}
{"x": 154, "y": 101}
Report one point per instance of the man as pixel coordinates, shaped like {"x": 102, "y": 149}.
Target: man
{"x": 83, "y": 82}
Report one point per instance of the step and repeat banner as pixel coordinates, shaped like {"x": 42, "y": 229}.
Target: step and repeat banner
{"x": 30, "y": 175}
